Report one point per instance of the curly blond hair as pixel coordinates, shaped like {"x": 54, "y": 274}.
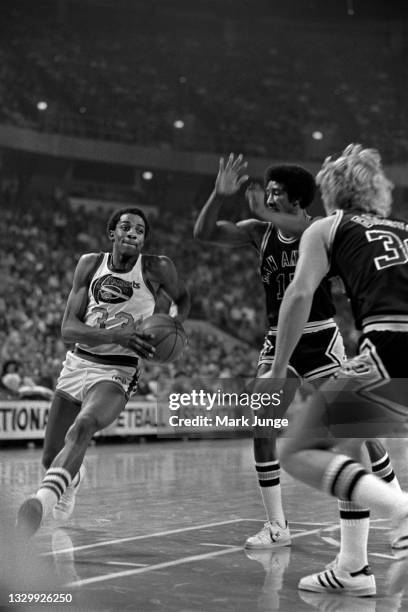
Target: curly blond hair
{"x": 355, "y": 180}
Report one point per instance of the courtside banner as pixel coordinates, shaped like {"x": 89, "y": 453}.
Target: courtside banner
{"x": 20, "y": 420}
{"x": 27, "y": 419}
{"x": 23, "y": 419}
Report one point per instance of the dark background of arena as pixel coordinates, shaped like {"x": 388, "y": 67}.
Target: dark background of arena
{"x": 108, "y": 102}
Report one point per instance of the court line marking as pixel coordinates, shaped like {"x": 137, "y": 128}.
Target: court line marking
{"x": 381, "y": 528}
{"x": 379, "y": 520}
{"x": 328, "y": 523}
{"x": 331, "y": 541}
{"x": 219, "y": 545}
{"x": 141, "y": 537}
{"x": 383, "y": 556}
{"x": 124, "y": 563}
{"x": 151, "y": 568}
{"x": 323, "y": 523}
{"x": 305, "y": 533}
{"x": 183, "y": 560}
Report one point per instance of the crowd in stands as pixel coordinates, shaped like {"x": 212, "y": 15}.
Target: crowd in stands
{"x": 261, "y": 87}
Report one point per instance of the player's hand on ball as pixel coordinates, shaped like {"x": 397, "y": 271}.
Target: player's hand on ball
{"x": 140, "y": 344}
{"x": 137, "y": 341}
{"x": 169, "y": 337}
{"x": 231, "y": 175}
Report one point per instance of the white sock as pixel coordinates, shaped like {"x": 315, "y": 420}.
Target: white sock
{"x": 54, "y": 484}
{"x": 354, "y": 527}
{"x": 269, "y": 481}
{"x": 381, "y": 497}
{"x": 347, "y": 479}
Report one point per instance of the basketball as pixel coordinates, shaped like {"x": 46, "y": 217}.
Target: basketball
{"x": 169, "y": 340}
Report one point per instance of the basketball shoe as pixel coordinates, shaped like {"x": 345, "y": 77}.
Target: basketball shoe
{"x": 335, "y": 580}
{"x": 271, "y": 535}
{"x": 29, "y": 517}
{"x": 65, "y": 507}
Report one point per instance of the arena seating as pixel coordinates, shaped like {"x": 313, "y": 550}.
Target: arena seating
{"x": 253, "y": 93}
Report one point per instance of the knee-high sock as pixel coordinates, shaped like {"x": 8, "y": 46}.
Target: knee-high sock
{"x": 381, "y": 463}
{"x": 355, "y": 521}
{"x": 269, "y": 482}
{"x": 348, "y": 480}
{"x": 354, "y": 527}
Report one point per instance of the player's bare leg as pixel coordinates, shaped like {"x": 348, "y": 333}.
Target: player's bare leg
{"x": 102, "y": 405}
{"x": 63, "y": 412}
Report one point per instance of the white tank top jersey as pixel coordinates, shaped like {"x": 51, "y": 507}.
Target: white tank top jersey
{"x": 116, "y": 299}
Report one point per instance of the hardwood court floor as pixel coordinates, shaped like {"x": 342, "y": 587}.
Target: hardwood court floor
{"x": 161, "y": 526}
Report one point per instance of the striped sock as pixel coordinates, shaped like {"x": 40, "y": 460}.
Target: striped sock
{"x": 54, "y": 484}
{"x": 341, "y": 476}
{"x": 382, "y": 467}
{"x": 269, "y": 482}
{"x": 354, "y": 527}
{"x": 348, "y": 480}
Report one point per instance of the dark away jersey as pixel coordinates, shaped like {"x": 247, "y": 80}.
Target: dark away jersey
{"x": 278, "y": 258}
{"x": 370, "y": 254}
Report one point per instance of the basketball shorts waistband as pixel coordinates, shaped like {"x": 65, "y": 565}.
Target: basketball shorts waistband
{"x": 113, "y": 360}
{"x": 309, "y": 328}
{"x": 395, "y": 323}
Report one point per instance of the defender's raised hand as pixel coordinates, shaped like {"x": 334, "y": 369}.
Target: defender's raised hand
{"x": 231, "y": 175}
{"x": 255, "y": 196}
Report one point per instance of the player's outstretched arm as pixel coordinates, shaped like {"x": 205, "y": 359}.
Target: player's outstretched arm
{"x": 75, "y": 330}
{"x": 162, "y": 270}
{"x": 208, "y": 227}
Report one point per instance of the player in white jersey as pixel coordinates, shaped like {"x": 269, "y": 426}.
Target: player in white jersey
{"x": 111, "y": 294}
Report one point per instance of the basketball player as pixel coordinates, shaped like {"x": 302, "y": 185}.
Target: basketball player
{"x": 369, "y": 252}
{"x": 111, "y": 294}
{"x": 319, "y": 353}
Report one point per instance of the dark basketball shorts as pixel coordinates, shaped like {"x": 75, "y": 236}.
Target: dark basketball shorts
{"x": 368, "y": 395}
{"x": 319, "y": 353}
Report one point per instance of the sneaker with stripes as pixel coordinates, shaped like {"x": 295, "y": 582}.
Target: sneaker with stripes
{"x": 335, "y": 580}
{"x": 332, "y": 564}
